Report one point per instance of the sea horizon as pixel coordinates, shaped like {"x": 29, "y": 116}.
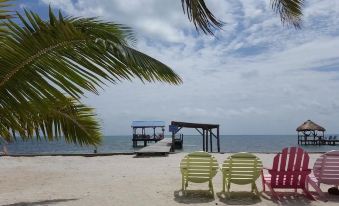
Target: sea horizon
{"x": 123, "y": 144}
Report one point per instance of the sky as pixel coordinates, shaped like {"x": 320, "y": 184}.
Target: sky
{"x": 255, "y": 76}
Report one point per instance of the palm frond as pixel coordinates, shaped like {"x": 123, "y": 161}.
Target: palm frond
{"x": 43, "y": 62}
{"x": 202, "y": 18}
{"x": 52, "y": 120}
{"x": 69, "y": 55}
{"x": 5, "y": 13}
{"x": 290, "y": 11}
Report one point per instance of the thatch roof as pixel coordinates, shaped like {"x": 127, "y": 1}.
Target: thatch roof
{"x": 310, "y": 126}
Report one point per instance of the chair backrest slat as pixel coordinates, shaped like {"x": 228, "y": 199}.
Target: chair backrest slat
{"x": 306, "y": 159}
{"x": 283, "y": 159}
{"x": 276, "y": 161}
{"x": 291, "y": 163}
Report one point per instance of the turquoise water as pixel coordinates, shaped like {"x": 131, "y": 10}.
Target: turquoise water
{"x": 228, "y": 143}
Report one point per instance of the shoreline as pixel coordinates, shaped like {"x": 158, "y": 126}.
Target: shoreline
{"x": 123, "y": 153}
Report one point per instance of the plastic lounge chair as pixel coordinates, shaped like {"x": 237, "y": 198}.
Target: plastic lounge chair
{"x": 326, "y": 171}
{"x": 198, "y": 167}
{"x": 289, "y": 171}
{"x": 241, "y": 168}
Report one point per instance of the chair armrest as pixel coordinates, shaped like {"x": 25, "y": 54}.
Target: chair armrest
{"x": 264, "y": 169}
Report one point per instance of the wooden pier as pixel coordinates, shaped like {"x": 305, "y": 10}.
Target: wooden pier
{"x": 144, "y": 140}
{"x": 318, "y": 142}
{"x": 310, "y": 133}
{"x": 162, "y": 147}
{"x": 206, "y": 130}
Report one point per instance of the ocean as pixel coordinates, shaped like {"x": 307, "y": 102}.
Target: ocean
{"x": 123, "y": 144}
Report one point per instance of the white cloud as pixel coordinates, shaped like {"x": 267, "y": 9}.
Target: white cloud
{"x": 255, "y": 76}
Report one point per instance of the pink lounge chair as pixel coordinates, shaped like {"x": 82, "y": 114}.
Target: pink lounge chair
{"x": 289, "y": 171}
{"x": 326, "y": 171}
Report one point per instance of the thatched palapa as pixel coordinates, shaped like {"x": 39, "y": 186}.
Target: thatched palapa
{"x": 311, "y": 129}
{"x": 310, "y": 126}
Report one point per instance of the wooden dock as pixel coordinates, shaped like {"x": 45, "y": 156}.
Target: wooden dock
{"x": 162, "y": 147}
{"x": 318, "y": 142}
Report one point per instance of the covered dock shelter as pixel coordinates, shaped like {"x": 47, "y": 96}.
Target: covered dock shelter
{"x": 208, "y": 132}
{"x": 309, "y": 129}
{"x": 139, "y": 131}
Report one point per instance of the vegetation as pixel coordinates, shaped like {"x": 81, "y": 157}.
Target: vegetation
{"x": 46, "y": 66}
{"x": 290, "y": 12}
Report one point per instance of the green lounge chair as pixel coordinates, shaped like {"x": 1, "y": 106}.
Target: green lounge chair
{"x": 198, "y": 167}
{"x": 241, "y": 168}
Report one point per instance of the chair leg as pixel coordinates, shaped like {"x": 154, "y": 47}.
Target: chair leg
{"x": 308, "y": 194}
{"x": 255, "y": 189}
{"x": 263, "y": 181}
{"x": 223, "y": 184}
{"x": 274, "y": 194}
{"x": 182, "y": 184}
{"x": 228, "y": 189}
{"x": 210, "y": 184}
{"x": 315, "y": 187}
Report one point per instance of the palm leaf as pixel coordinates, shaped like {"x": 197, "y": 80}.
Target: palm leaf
{"x": 202, "y": 18}
{"x": 5, "y": 13}
{"x": 52, "y": 120}
{"x": 42, "y": 62}
{"x": 290, "y": 11}
{"x": 48, "y": 59}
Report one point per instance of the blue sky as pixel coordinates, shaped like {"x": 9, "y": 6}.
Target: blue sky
{"x": 254, "y": 77}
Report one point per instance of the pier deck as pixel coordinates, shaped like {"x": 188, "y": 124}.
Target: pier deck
{"x": 318, "y": 142}
{"x": 162, "y": 147}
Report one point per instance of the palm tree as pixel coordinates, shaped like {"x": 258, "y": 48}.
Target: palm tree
{"x": 290, "y": 12}
{"x": 46, "y": 66}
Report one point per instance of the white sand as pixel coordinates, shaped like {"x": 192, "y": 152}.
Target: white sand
{"x": 120, "y": 180}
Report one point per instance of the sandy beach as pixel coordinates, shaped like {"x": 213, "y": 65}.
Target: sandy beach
{"x": 122, "y": 180}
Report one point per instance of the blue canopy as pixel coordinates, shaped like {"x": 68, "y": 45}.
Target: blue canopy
{"x": 144, "y": 124}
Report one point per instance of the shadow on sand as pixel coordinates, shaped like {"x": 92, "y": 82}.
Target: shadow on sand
{"x": 42, "y": 202}
{"x": 288, "y": 198}
{"x": 239, "y": 198}
{"x": 193, "y": 196}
